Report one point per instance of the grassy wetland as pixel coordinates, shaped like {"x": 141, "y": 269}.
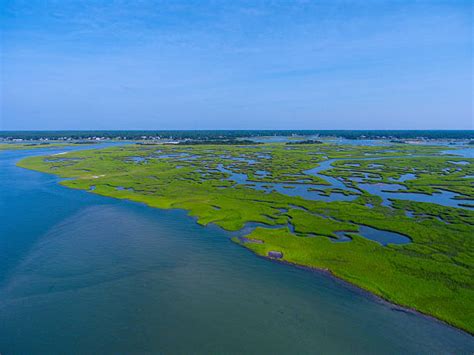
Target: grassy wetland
{"x": 321, "y": 206}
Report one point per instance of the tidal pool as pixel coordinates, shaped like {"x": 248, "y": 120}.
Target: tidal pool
{"x": 466, "y": 151}
{"x": 389, "y": 191}
{"x": 377, "y": 235}
{"x": 405, "y": 177}
{"x": 395, "y": 191}
{"x": 290, "y": 189}
{"x": 137, "y": 159}
{"x": 383, "y": 237}
{"x": 88, "y": 274}
{"x": 383, "y": 190}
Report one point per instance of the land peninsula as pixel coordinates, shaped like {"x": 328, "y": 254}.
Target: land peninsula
{"x": 396, "y": 220}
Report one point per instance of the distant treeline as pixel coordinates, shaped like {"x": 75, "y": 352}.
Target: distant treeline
{"x": 308, "y": 141}
{"x": 218, "y": 142}
{"x": 234, "y": 134}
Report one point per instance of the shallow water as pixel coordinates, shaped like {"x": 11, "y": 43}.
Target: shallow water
{"x": 405, "y": 177}
{"x": 383, "y": 190}
{"x": 136, "y": 159}
{"x": 87, "y": 274}
{"x": 377, "y": 235}
{"x": 389, "y": 191}
{"x": 466, "y": 152}
{"x": 326, "y": 165}
{"x": 383, "y": 237}
{"x": 287, "y": 188}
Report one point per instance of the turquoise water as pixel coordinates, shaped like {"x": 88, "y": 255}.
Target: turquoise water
{"x": 82, "y": 273}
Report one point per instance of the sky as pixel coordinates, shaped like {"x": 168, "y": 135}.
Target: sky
{"x": 148, "y": 64}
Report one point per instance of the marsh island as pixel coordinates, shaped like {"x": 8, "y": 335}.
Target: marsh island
{"x": 395, "y": 220}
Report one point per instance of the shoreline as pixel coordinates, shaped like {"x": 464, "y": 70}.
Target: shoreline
{"x": 326, "y": 272}
{"x": 360, "y": 290}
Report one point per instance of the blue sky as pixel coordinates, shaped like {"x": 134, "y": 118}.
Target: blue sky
{"x": 236, "y": 64}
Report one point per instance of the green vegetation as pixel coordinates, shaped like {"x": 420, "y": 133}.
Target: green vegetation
{"x": 307, "y": 141}
{"x": 217, "y": 142}
{"x": 232, "y": 185}
{"x": 430, "y": 174}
